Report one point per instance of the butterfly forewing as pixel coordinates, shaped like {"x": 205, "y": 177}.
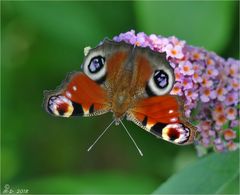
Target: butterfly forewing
{"x": 81, "y": 96}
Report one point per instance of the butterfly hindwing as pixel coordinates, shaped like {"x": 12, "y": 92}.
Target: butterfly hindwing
{"x": 162, "y": 116}
{"x": 81, "y": 96}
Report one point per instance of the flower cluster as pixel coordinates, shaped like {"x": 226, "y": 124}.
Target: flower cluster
{"x": 207, "y": 83}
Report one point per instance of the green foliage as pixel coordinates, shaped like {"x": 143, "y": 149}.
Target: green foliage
{"x": 210, "y": 175}
{"x": 41, "y": 42}
{"x": 210, "y": 25}
{"x": 97, "y": 183}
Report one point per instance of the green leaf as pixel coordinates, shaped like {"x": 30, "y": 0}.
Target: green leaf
{"x": 207, "y": 24}
{"x": 89, "y": 183}
{"x": 209, "y": 175}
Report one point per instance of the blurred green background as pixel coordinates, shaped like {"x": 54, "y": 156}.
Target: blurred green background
{"x": 40, "y": 43}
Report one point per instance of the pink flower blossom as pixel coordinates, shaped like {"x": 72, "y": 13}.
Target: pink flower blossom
{"x": 196, "y": 55}
{"x": 212, "y": 133}
{"x": 231, "y": 98}
{"x": 157, "y": 42}
{"x": 205, "y": 125}
{"x": 188, "y": 113}
{"x": 235, "y": 123}
{"x": 219, "y": 108}
{"x": 197, "y": 78}
{"x": 176, "y": 41}
{"x": 212, "y": 72}
{"x": 173, "y": 51}
{"x": 198, "y": 66}
{"x": 186, "y": 68}
{"x": 206, "y": 141}
{"x": 221, "y": 92}
{"x": 177, "y": 89}
{"x": 206, "y": 81}
{"x": 231, "y": 113}
{"x": 219, "y": 147}
{"x": 229, "y": 134}
{"x": 178, "y": 75}
{"x": 220, "y": 119}
{"x": 209, "y": 61}
{"x": 206, "y": 94}
{"x": 191, "y": 94}
{"x": 231, "y": 146}
{"x": 187, "y": 83}
{"x": 233, "y": 70}
{"x": 141, "y": 40}
{"x": 234, "y": 83}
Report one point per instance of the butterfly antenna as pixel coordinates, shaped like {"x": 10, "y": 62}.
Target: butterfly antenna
{"x": 100, "y": 135}
{"x": 140, "y": 152}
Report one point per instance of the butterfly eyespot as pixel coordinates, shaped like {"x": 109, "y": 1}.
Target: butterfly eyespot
{"x": 177, "y": 133}
{"x": 60, "y": 106}
{"x": 161, "y": 82}
{"x": 160, "y": 78}
{"x": 95, "y": 67}
{"x": 96, "y": 64}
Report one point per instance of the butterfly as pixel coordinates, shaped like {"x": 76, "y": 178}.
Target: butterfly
{"x": 129, "y": 81}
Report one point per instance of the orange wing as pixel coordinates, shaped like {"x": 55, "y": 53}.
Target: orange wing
{"x": 163, "y": 117}
{"x": 81, "y": 96}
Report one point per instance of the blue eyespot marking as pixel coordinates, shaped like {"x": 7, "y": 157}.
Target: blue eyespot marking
{"x": 161, "y": 79}
{"x": 96, "y": 64}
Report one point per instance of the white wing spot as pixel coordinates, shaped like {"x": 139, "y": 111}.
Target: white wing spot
{"x": 74, "y": 88}
{"x": 173, "y": 119}
{"x": 68, "y": 94}
{"x": 170, "y": 111}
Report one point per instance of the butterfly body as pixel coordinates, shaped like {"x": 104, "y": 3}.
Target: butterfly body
{"x": 128, "y": 81}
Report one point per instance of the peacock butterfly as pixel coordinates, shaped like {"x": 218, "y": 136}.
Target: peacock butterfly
{"x": 131, "y": 82}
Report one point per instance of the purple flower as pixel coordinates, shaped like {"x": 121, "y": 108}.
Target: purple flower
{"x": 187, "y": 83}
{"x": 233, "y": 70}
{"x": 174, "y": 51}
{"x": 229, "y": 134}
{"x": 212, "y": 133}
{"x": 187, "y": 113}
{"x": 234, "y": 83}
{"x": 191, "y": 94}
{"x": 206, "y": 81}
{"x": 205, "y": 94}
{"x": 186, "y": 68}
{"x": 231, "y": 98}
{"x": 142, "y": 40}
{"x": 231, "y": 146}
{"x": 128, "y": 37}
{"x": 178, "y": 75}
{"x": 231, "y": 113}
{"x": 220, "y": 119}
{"x": 206, "y": 142}
{"x": 196, "y": 54}
{"x": 234, "y": 123}
{"x": 157, "y": 43}
{"x": 197, "y": 77}
{"x": 219, "y": 147}
{"x": 177, "y": 89}
{"x": 176, "y": 41}
{"x": 221, "y": 92}
{"x": 212, "y": 72}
